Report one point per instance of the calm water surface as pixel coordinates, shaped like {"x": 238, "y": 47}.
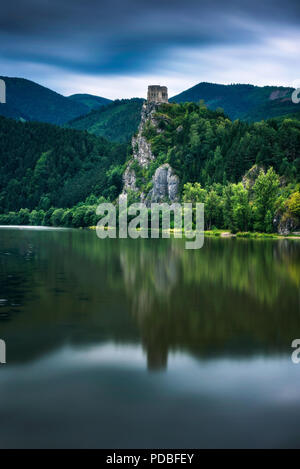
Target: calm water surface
{"x": 141, "y": 343}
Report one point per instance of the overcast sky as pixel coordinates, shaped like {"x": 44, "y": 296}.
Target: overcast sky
{"x": 115, "y": 48}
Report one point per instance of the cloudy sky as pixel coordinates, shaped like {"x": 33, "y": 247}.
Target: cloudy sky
{"x": 115, "y": 48}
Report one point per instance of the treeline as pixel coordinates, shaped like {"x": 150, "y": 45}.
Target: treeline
{"x": 237, "y": 207}
{"x": 43, "y": 166}
{"x": 53, "y": 176}
{"x": 254, "y": 205}
{"x": 82, "y": 215}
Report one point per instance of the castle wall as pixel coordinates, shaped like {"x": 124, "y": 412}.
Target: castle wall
{"x": 157, "y": 94}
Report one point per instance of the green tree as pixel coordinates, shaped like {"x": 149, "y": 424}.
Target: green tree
{"x": 56, "y": 217}
{"x": 213, "y": 210}
{"x": 241, "y": 210}
{"x": 23, "y": 216}
{"x": 265, "y": 193}
{"x": 194, "y": 193}
{"x": 293, "y": 204}
{"x": 36, "y": 217}
{"x": 78, "y": 216}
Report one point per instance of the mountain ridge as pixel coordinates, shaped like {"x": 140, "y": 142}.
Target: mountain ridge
{"x": 241, "y": 101}
{"x": 28, "y": 100}
{"x": 118, "y": 120}
{"x": 90, "y": 100}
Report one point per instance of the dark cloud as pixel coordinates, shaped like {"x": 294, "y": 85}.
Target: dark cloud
{"x": 113, "y": 47}
{"x": 114, "y": 36}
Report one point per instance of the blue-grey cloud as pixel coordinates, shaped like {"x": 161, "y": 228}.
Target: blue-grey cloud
{"x": 117, "y": 37}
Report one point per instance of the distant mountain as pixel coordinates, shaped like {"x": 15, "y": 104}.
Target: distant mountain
{"x": 245, "y": 102}
{"x": 89, "y": 100}
{"x": 117, "y": 121}
{"x": 30, "y": 101}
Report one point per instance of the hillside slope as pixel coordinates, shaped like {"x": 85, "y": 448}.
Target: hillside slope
{"x": 246, "y": 174}
{"x": 245, "y": 102}
{"x": 30, "y": 101}
{"x": 89, "y": 100}
{"x": 117, "y": 122}
{"x": 43, "y": 165}
{"x": 201, "y": 145}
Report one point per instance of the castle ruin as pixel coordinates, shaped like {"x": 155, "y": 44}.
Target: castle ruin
{"x": 157, "y": 94}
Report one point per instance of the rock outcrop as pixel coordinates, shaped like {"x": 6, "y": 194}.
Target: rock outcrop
{"x": 129, "y": 180}
{"x": 251, "y": 175}
{"x": 285, "y": 223}
{"x": 141, "y": 148}
{"x": 165, "y": 183}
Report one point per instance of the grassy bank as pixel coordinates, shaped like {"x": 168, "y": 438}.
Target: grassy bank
{"x": 228, "y": 234}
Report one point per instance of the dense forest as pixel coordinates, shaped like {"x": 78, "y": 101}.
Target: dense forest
{"x": 247, "y": 174}
{"x": 117, "y": 121}
{"x": 206, "y": 146}
{"x": 43, "y": 165}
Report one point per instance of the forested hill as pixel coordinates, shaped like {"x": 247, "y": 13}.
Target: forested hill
{"x": 247, "y": 175}
{"x": 30, "y": 101}
{"x": 62, "y": 173}
{"x": 89, "y": 100}
{"x": 117, "y": 121}
{"x": 206, "y": 146}
{"x": 246, "y": 102}
{"x": 43, "y": 165}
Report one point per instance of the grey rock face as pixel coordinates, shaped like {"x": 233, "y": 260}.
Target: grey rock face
{"x": 251, "y": 175}
{"x": 284, "y": 224}
{"x": 165, "y": 181}
{"x": 142, "y": 150}
{"x": 165, "y": 185}
{"x": 129, "y": 180}
{"x": 286, "y": 227}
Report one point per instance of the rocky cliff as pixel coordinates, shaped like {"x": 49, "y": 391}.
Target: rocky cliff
{"x": 164, "y": 184}
{"x": 285, "y": 223}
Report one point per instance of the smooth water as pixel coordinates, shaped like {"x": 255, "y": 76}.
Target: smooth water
{"x": 141, "y": 343}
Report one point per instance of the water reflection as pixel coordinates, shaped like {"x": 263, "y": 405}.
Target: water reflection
{"x": 81, "y": 317}
{"x": 233, "y": 297}
{"x": 101, "y": 396}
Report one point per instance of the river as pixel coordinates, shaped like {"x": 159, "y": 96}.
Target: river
{"x": 142, "y": 343}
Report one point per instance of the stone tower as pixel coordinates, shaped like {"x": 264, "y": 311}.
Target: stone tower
{"x": 157, "y": 94}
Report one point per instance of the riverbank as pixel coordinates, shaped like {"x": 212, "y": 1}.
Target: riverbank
{"x": 207, "y": 233}
{"x": 228, "y": 234}
{"x": 249, "y": 234}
